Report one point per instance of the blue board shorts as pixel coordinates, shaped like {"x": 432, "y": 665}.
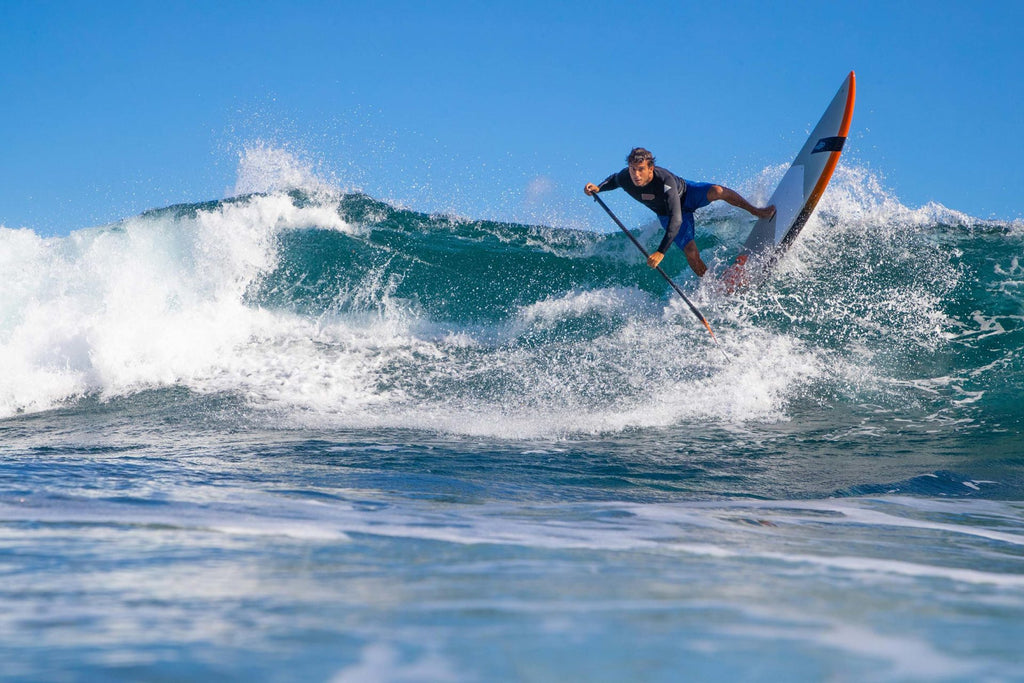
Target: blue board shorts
{"x": 696, "y": 198}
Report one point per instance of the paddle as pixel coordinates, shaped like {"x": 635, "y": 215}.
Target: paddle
{"x": 694, "y": 309}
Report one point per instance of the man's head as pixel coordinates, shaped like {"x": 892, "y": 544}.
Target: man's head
{"x": 641, "y": 166}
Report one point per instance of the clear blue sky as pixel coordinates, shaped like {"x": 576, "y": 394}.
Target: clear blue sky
{"x": 116, "y": 107}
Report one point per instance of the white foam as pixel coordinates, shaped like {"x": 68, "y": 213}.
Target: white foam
{"x": 903, "y": 657}
{"x": 153, "y": 301}
{"x": 381, "y": 661}
{"x": 707, "y": 529}
{"x": 606, "y": 302}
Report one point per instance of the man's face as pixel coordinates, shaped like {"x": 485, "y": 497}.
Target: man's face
{"x": 641, "y": 173}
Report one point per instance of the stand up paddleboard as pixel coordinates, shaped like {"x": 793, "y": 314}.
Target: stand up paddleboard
{"x": 797, "y": 193}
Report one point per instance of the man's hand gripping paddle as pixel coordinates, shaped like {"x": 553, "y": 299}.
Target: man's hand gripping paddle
{"x": 694, "y": 309}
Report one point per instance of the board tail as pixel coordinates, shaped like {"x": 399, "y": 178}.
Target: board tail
{"x": 736, "y": 276}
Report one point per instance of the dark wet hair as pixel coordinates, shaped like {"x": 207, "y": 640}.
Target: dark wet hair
{"x": 638, "y": 155}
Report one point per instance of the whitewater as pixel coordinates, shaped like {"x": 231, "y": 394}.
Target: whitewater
{"x": 305, "y": 434}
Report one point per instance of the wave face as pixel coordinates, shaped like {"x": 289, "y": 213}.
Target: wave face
{"x": 314, "y": 306}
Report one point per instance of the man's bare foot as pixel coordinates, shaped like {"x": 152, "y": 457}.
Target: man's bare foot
{"x": 766, "y": 212}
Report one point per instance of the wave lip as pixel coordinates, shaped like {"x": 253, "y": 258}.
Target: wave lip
{"x": 149, "y": 301}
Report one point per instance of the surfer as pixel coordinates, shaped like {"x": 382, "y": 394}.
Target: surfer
{"x": 674, "y": 200}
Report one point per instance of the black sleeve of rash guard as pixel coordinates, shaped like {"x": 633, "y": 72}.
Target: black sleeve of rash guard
{"x": 675, "y": 213}
{"x": 609, "y": 183}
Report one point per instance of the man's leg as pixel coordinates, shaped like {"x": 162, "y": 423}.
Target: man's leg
{"x": 716, "y": 192}
{"x": 693, "y": 258}
{"x": 685, "y": 241}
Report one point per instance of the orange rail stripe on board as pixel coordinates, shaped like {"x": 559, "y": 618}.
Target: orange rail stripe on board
{"x": 830, "y": 166}
{"x": 844, "y": 128}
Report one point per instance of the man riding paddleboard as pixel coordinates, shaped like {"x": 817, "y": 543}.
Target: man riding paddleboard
{"x": 673, "y": 200}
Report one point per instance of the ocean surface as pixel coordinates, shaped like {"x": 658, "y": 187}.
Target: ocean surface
{"x": 305, "y": 435}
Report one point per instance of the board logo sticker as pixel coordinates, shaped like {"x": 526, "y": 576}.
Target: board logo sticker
{"x": 834, "y": 144}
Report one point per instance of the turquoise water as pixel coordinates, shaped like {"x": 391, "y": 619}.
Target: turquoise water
{"x": 304, "y": 435}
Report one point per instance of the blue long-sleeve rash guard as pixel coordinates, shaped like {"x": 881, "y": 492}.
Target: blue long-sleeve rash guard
{"x": 663, "y": 195}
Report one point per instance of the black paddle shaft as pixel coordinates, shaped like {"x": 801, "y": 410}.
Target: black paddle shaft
{"x": 635, "y": 241}
{"x": 696, "y": 311}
